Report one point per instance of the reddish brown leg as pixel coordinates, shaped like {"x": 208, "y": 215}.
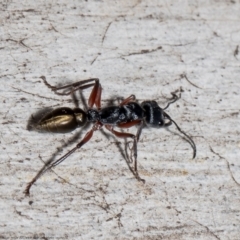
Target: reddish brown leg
{"x": 139, "y": 131}
{"x": 140, "y": 124}
{"x": 50, "y": 164}
{"x": 134, "y": 148}
{"x": 98, "y": 97}
{"x": 71, "y": 88}
{"x": 129, "y": 124}
{"x": 127, "y": 100}
{"x": 95, "y": 96}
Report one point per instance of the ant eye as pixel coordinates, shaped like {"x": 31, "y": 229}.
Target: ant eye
{"x": 161, "y": 123}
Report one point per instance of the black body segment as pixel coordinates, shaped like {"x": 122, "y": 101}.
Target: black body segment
{"x": 153, "y": 114}
{"x": 115, "y": 115}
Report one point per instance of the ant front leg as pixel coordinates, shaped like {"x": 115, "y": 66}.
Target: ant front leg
{"x": 127, "y": 100}
{"x": 134, "y": 148}
{"x": 49, "y": 165}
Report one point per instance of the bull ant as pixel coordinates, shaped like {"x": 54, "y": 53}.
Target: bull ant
{"x": 127, "y": 114}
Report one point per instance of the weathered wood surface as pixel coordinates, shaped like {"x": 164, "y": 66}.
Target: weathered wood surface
{"x": 148, "y": 48}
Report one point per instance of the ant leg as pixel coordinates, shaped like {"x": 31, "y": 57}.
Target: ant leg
{"x": 168, "y": 124}
{"x": 129, "y": 124}
{"x": 134, "y": 123}
{"x": 70, "y": 88}
{"x": 50, "y": 164}
{"x": 189, "y": 139}
{"x": 134, "y": 148}
{"x": 95, "y": 96}
{"x": 140, "y": 127}
{"x": 139, "y": 131}
{"x": 127, "y": 100}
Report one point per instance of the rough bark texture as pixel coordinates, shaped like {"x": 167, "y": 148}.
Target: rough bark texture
{"x": 147, "y": 48}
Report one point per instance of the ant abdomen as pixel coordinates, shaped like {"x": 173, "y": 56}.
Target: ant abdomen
{"x": 62, "y": 120}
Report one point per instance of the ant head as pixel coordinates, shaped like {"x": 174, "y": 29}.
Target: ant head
{"x": 154, "y": 115}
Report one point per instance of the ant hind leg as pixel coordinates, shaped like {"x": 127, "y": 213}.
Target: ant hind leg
{"x": 70, "y": 88}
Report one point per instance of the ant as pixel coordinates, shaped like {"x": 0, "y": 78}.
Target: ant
{"x": 127, "y": 114}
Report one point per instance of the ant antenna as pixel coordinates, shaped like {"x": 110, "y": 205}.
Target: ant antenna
{"x": 175, "y": 98}
{"x": 191, "y": 142}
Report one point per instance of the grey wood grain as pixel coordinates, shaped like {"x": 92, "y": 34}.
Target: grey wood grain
{"x": 147, "y": 48}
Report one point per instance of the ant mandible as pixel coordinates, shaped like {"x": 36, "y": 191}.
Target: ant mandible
{"x": 129, "y": 113}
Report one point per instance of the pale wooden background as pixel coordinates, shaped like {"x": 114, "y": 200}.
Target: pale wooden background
{"x": 140, "y": 47}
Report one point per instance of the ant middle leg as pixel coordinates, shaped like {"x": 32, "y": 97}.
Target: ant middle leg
{"x": 133, "y": 156}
